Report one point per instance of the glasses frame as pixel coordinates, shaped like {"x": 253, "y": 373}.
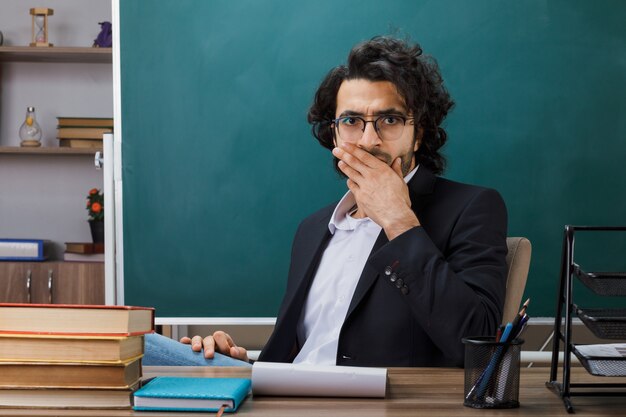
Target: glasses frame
{"x": 335, "y": 123}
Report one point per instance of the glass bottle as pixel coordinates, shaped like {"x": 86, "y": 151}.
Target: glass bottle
{"x": 30, "y": 131}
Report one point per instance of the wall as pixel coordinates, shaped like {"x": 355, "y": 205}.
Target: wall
{"x": 43, "y": 196}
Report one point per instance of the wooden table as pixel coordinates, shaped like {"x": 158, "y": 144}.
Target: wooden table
{"x": 411, "y": 392}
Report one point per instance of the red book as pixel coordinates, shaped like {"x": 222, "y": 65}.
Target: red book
{"x": 74, "y": 319}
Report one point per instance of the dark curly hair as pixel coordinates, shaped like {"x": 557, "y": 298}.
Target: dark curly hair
{"x": 417, "y": 79}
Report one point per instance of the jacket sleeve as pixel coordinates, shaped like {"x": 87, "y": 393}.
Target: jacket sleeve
{"x": 458, "y": 292}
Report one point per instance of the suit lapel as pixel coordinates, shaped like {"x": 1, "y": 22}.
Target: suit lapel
{"x": 420, "y": 186}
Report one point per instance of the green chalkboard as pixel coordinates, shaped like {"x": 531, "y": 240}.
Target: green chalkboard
{"x": 219, "y": 165}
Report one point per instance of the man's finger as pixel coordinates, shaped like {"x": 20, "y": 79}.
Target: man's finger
{"x": 209, "y": 347}
{"x": 196, "y": 343}
{"x": 223, "y": 342}
{"x": 230, "y": 340}
{"x": 352, "y": 186}
{"x": 186, "y": 340}
{"x": 239, "y": 353}
{"x": 350, "y": 159}
{"x": 349, "y": 171}
{"x": 397, "y": 167}
{"x": 362, "y": 155}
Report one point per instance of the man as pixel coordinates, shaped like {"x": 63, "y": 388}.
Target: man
{"x": 407, "y": 263}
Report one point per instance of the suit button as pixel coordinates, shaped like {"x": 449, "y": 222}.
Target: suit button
{"x": 393, "y": 277}
{"x": 388, "y": 270}
{"x": 399, "y": 283}
{"x": 405, "y": 290}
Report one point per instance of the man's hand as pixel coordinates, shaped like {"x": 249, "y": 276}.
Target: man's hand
{"x": 379, "y": 189}
{"x": 217, "y": 342}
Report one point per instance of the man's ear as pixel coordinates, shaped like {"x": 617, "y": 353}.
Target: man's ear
{"x": 418, "y": 138}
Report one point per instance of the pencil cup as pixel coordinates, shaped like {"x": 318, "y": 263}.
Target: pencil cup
{"x": 492, "y": 372}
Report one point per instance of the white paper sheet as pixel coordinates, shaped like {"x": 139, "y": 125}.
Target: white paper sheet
{"x": 614, "y": 350}
{"x": 287, "y": 379}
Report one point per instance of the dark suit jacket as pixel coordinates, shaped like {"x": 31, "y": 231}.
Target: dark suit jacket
{"x": 419, "y": 294}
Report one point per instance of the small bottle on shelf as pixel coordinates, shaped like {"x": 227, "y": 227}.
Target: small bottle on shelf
{"x": 30, "y": 131}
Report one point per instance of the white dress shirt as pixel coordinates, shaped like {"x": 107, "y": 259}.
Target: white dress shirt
{"x": 336, "y": 278}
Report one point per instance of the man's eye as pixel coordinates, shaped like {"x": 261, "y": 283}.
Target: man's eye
{"x": 391, "y": 120}
{"x": 348, "y": 121}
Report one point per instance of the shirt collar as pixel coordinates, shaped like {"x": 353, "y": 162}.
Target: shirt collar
{"x": 348, "y": 203}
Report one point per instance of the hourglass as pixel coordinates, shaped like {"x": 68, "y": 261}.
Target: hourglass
{"x": 40, "y": 26}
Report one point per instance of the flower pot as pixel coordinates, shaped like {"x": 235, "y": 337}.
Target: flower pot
{"x": 97, "y": 230}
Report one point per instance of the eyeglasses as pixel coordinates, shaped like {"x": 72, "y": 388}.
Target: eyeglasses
{"x": 388, "y": 126}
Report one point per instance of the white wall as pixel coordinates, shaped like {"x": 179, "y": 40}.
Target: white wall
{"x": 44, "y": 196}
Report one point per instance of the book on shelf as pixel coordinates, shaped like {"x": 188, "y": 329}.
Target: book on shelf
{"x": 24, "y": 249}
{"x": 75, "y": 319}
{"x": 82, "y": 132}
{"x": 81, "y": 143}
{"x": 60, "y": 348}
{"x": 85, "y": 122}
{"x": 83, "y": 257}
{"x": 70, "y": 374}
{"x": 67, "y": 398}
{"x": 191, "y": 394}
{"x": 84, "y": 247}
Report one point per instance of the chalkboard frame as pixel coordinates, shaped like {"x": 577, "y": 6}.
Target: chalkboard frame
{"x": 551, "y": 129}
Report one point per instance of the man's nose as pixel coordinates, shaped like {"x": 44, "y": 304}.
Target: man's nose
{"x": 370, "y": 136}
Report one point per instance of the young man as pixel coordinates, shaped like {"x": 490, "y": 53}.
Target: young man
{"x": 407, "y": 263}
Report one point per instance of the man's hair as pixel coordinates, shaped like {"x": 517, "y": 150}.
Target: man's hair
{"x": 417, "y": 80}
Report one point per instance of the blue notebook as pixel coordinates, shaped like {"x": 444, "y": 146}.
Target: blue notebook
{"x": 166, "y": 393}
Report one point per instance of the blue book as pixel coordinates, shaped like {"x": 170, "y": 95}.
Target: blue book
{"x": 24, "y": 249}
{"x": 166, "y": 393}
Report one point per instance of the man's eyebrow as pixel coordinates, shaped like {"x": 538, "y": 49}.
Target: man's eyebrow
{"x": 390, "y": 110}
{"x": 350, "y": 113}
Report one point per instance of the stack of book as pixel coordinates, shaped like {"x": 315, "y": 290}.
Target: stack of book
{"x": 83, "y": 132}
{"x": 84, "y": 252}
{"x": 71, "y": 356}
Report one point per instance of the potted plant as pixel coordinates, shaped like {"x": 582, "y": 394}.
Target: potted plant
{"x": 95, "y": 207}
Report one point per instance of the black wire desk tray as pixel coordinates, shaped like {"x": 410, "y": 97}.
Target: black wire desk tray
{"x": 602, "y": 366}
{"x": 605, "y": 323}
{"x": 603, "y": 283}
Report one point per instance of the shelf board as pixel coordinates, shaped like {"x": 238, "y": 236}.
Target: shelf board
{"x": 47, "y": 150}
{"x": 55, "y": 54}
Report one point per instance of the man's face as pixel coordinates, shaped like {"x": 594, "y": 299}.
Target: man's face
{"x": 369, "y": 100}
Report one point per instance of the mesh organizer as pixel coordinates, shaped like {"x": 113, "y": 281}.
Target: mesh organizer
{"x": 602, "y": 366}
{"x": 603, "y": 283}
{"x": 606, "y": 323}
